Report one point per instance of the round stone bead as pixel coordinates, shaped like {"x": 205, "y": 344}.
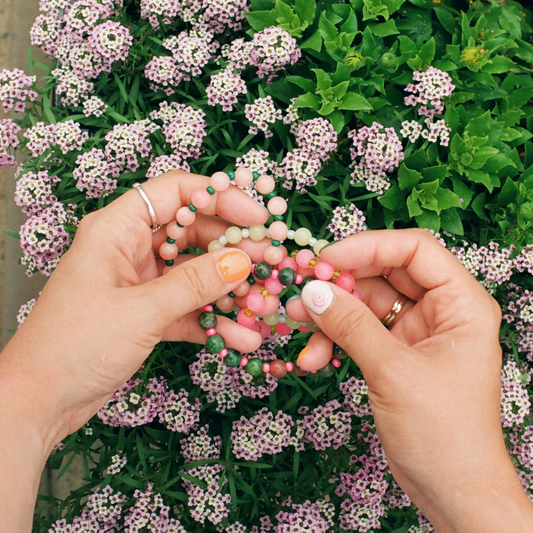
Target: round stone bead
{"x": 262, "y": 270}
{"x": 283, "y": 329}
{"x": 243, "y": 289}
{"x": 287, "y": 276}
{"x": 246, "y": 321}
{"x": 207, "y": 320}
{"x": 278, "y": 368}
{"x": 278, "y": 230}
{"x": 215, "y": 245}
{"x": 175, "y": 232}
{"x": 277, "y": 205}
{"x": 185, "y": 216}
{"x": 345, "y": 281}
{"x": 339, "y": 353}
{"x": 302, "y": 236}
{"x": 305, "y": 281}
{"x": 225, "y": 303}
{"x": 299, "y": 372}
{"x": 293, "y": 324}
{"x": 273, "y": 286}
{"x": 200, "y": 198}
{"x": 324, "y": 270}
{"x": 312, "y": 327}
{"x": 265, "y": 184}
{"x": 303, "y": 257}
{"x": 168, "y": 251}
{"x": 214, "y": 344}
{"x": 255, "y": 302}
{"x": 273, "y": 255}
{"x": 257, "y": 232}
{"x": 243, "y": 177}
{"x": 220, "y": 181}
{"x": 254, "y": 366}
{"x": 288, "y": 262}
{"x": 233, "y": 359}
{"x": 234, "y": 235}
{"x": 271, "y": 320}
{"x": 319, "y": 245}
{"x": 326, "y": 371}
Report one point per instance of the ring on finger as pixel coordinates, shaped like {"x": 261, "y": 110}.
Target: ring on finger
{"x": 151, "y": 211}
{"x": 396, "y": 308}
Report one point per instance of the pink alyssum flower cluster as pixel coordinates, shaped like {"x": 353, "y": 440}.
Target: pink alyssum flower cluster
{"x": 224, "y": 89}
{"x": 346, "y": 222}
{"x": 15, "y": 89}
{"x": 33, "y": 192}
{"x": 68, "y": 136}
{"x": 514, "y": 399}
{"x": 91, "y": 173}
{"x": 262, "y": 113}
{"x": 8, "y": 141}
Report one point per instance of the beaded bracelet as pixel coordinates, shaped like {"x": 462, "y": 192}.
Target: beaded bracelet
{"x": 275, "y": 279}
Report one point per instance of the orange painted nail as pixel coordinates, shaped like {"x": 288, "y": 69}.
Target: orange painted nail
{"x": 234, "y": 265}
{"x": 302, "y": 354}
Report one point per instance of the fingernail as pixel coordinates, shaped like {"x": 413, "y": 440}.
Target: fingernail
{"x": 294, "y": 297}
{"x": 302, "y": 354}
{"x": 234, "y": 265}
{"x": 317, "y": 296}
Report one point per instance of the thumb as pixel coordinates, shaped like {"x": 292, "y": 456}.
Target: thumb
{"x": 195, "y": 283}
{"x": 348, "y": 322}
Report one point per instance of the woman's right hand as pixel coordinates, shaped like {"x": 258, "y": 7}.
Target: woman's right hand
{"x": 433, "y": 378}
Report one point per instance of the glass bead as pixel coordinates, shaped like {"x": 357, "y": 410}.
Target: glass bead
{"x": 233, "y": 359}
{"x": 249, "y": 313}
{"x": 266, "y": 368}
{"x": 278, "y": 368}
{"x": 312, "y": 241}
{"x": 175, "y": 232}
{"x": 255, "y": 175}
{"x": 208, "y": 308}
{"x": 283, "y": 329}
{"x": 220, "y": 181}
{"x": 225, "y": 303}
{"x": 288, "y": 262}
{"x": 171, "y": 241}
{"x": 251, "y": 280}
{"x": 264, "y": 293}
{"x": 215, "y": 245}
{"x": 326, "y": 371}
{"x": 287, "y": 276}
{"x": 278, "y": 218}
{"x": 345, "y": 281}
{"x": 262, "y": 270}
{"x": 277, "y": 206}
{"x": 255, "y": 302}
{"x": 257, "y": 232}
{"x": 214, "y": 344}
{"x": 265, "y": 184}
{"x": 185, "y": 217}
{"x": 243, "y": 177}
{"x": 210, "y": 190}
{"x": 272, "y": 319}
{"x": 273, "y": 286}
{"x": 336, "y": 274}
{"x": 210, "y": 332}
{"x": 244, "y": 361}
{"x": 231, "y": 294}
{"x": 231, "y": 175}
{"x": 169, "y": 262}
{"x": 303, "y": 257}
{"x": 234, "y": 235}
{"x": 278, "y": 231}
{"x": 293, "y": 324}
{"x": 244, "y": 320}
{"x": 168, "y": 251}
{"x": 192, "y": 208}
{"x": 223, "y": 240}
{"x": 324, "y": 270}
{"x": 245, "y": 233}
{"x": 302, "y": 236}
{"x": 294, "y": 253}
{"x": 290, "y": 234}
{"x": 335, "y": 362}
{"x": 207, "y": 320}
{"x": 339, "y": 353}
{"x": 275, "y": 243}
{"x": 299, "y": 372}
{"x": 319, "y": 245}
{"x": 305, "y": 281}
{"x": 312, "y": 327}
{"x": 270, "y": 195}
{"x": 313, "y": 263}
{"x": 273, "y": 255}
{"x": 254, "y": 366}
{"x": 200, "y": 198}
{"x": 243, "y": 289}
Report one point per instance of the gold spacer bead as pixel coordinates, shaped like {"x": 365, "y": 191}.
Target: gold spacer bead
{"x": 336, "y": 274}
{"x": 248, "y": 313}
{"x": 264, "y": 293}
{"x": 294, "y": 253}
{"x": 313, "y": 262}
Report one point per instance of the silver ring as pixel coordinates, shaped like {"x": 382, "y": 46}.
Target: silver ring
{"x": 155, "y": 225}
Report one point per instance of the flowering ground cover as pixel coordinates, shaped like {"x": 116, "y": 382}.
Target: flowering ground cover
{"x": 370, "y": 114}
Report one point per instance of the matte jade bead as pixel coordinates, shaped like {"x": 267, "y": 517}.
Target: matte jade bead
{"x": 185, "y": 216}
{"x": 271, "y": 320}
{"x": 200, "y": 198}
{"x": 175, "y": 232}
{"x": 254, "y": 366}
{"x": 225, "y": 303}
{"x": 233, "y": 235}
{"x": 273, "y": 255}
{"x": 288, "y": 262}
{"x": 273, "y": 286}
{"x": 345, "y": 281}
{"x": 305, "y": 281}
{"x": 257, "y": 232}
{"x": 215, "y": 245}
{"x": 324, "y": 270}
{"x": 278, "y": 231}
{"x": 265, "y": 184}
{"x": 287, "y": 276}
{"x": 243, "y": 177}
{"x": 233, "y": 359}
{"x": 243, "y": 289}
{"x": 278, "y": 368}
{"x": 312, "y": 327}
{"x": 262, "y": 270}
{"x": 319, "y": 245}
{"x": 207, "y": 320}
{"x": 214, "y": 344}
{"x": 303, "y": 257}
{"x": 220, "y": 181}
{"x": 293, "y": 324}
{"x": 302, "y": 236}
{"x": 168, "y": 251}
{"x": 277, "y": 205}
{"x": 246, "y": 321}
{"x": 255, "y": 302}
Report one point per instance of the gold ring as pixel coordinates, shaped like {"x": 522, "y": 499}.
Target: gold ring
{"x": 396, "y": 308}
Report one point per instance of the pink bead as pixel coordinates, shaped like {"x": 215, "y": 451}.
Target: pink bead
{"x": 210, "y": 332}
{"x": 273, "y": 286}
{"x": 168, "y": 251}
{"x": 289, "y": 366}
{"x": 335, "y": 362}
{"x": 225, "y": 303}
{"x": 299, "y": 279}
{"x": 277, "y": 205}
{"x": 243, "y": 289}
{"x": 282, "y": 329}
{"x": 256, "y": 327}
{"x": 208, "y": 308}
{"x": 244, "y": 361}
{"x": 303, "y": 257}
{"x": 288, "y": 262}
{"x": 200, "y": 198}
{"x": 246, "y": 321}
{"x": 303, "y": 329}
{"x": 273, "y": 255}
{"x": 274, "y": 274}
{"x": 243, "y": 177}
{"x": 223, "y": 352}
{"x": 324, "y": 270}
{"x": 175, "y": 232}
{"x": 266, "y": 330}
{"x": 220, "y": 181}
{"x": 345, "y": 281}
{"x": 358, "y": 295}
{"x": 266, "y": 368}
{"x": 265, "y": 184}
{"x": 185, "y": 216}
{"x": 278, "y": 230}
{"x": 255, "y": 302}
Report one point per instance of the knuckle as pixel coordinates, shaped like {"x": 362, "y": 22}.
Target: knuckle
{"x": 197, "y": 284}
{"x": 347, "y": 323}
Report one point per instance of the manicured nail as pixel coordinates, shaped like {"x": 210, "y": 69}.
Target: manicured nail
{"x": 302, "y": 354}
{"x": 294, "y": 297}
{"x": 234, "y": 265}
{"x": 317, "y": 296}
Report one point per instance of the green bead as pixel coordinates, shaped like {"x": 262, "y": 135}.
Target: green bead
{"x": 169, "y": 262}
{"x": 275, "y": 243}
{"x": 278, "y": 217}
{"x": 255, "y": 174}
{"x": 192, "y": 208}
{"x": 179, "y": 225}
{"x": 170, "y": 241}
{"x": 287, "y": 276}
{"x": 231, "y": 175}
{"x": 232, "y": 294}
{"x": 338, "y": 352}
{"x": 207, "y": 320}
{"x": 271, "y": 195}
{"x": 214, "y": 344}
{"x": 254, "y": 367}
{"x": 326, "y": 371}
{"x": 233, "y": 358}
{"x": 305, "y": 281}
{"x": 262, "y": 270}
{"x": 251, "y": 280}
{"x": 210, "y": 190}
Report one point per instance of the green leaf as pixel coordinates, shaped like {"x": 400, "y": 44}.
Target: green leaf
{"x": 350, "y": 26}
{"x": 384, "y": 29}
{"x": 259, "y": 20}
{"x": 372, "y": 10}
{"x": 430, "y": 187}
{"x": 435, "y": 173}
{"x": 480, "y": 177}
{"x": 354, "y": 102}
{"x": 284, "y": 13}
{"x": 479, "y": 126}
{"x": 446, "y": 199}
{"x": 498, "y": 65}
{"x": 428, "y": 220}
{"x": 508, "y": 193}
{"x": 327, "y": 30}
{"x": 417, "y": 160}
{"x": 393, "y": 5}
{"x": 498, "y": 162}
{"x": 393, "y": 199}
{"x": 408, "y": 178}
{"x": 314, "y": 42}
{"x": 337, "y": 120}
{"x": 305, "y": 83}
{"x": 305, "y": 10}
{"x": 451, "y": 221}
{"x": 427, "y": 52}
{"x": 481, "y": 156}
{"x": 414, "y": 207}
{"x": 11, "y": 233}
{"x": 323, "y": 79}
{"x": 308, "y": 100}
{"x": 510, "y": 134}
{"x": 478, "y": 205}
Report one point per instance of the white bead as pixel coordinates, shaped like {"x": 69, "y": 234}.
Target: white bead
{"x": 235, "y": 309}
{"x": 223, "y": 240}
{"x": 245, "y": 233}
{"x": 282, "y": 319}
{"x": 268, "y": 234}
{"x": 312, "y": 241}
{"x": 290, "y": 234}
